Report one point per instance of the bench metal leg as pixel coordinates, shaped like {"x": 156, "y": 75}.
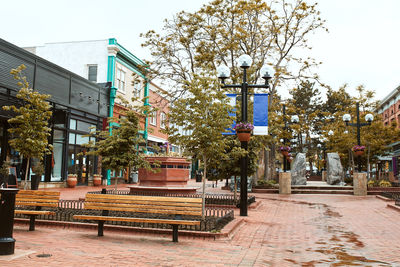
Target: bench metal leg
{"x": 174, "y": 233}
{"x": 100, "y": 228}
{"x": 32, "y": 222}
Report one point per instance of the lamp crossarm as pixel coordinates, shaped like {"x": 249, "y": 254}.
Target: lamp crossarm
{"x": 231, "y": 85}
{"x": 355, "y": 124}
{"x": 223, "y": 85}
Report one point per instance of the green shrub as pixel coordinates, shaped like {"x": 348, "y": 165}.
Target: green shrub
{"x": 372, "y": 183}
{"x": 266, "y": 183}
{"x": 384, "y": 183}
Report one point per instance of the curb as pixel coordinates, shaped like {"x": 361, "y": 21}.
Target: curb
{"x": 384, "y": 198}
{"x": 226, "y": 232}
{"x": 397, "y": 208}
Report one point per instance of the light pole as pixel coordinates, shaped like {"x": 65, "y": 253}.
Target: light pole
{"x": 223, "y": 71}
{"x": 369, "y": 118}
{"x": 294, "y": 119}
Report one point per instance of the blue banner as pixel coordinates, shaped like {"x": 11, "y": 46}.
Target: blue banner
{"x": 260, "y": 114}
{"x": 232, "y": 102}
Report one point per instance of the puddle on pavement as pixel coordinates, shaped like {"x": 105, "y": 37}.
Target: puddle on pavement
{"x": 353, "y": 238}
{"x": 331, "y": 213}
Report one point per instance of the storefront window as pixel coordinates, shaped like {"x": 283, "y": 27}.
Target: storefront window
{"x": 57, "y": 155}
{"x": 72, "y": 124}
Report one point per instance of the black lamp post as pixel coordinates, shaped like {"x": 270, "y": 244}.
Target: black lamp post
{"x": 294, "y": 119}
{"x": 223, "y": 73}
{"x": 369, "y": 118}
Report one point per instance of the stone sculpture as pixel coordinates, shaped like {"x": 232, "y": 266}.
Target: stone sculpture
{"x": 299, "y": 170}
{"x": 334, "y": 169}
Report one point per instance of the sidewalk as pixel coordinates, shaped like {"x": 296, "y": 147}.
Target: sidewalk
{"x": 294, "y": 230}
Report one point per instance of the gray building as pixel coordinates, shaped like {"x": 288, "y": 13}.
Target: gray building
{"x": 77, "y": 105}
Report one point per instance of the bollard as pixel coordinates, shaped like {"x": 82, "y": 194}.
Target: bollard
{"x": 7, "y": 207}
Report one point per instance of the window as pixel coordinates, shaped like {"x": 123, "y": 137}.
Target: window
{"x": 163, "y": 118}
{"x": 121, "y": 80}
{"x": 153, "y": 118}
{"x": 138, "y": 90}
{"x": 92, "y": 73}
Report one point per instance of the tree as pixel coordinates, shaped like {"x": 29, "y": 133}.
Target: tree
{"x": 29, "y": 131}
{"x": 119, "y": 150}
{"x": 306, "y": 103}
{"x": 222, "y": 30}
{"x": 377, "y": 137}
{"x": 198, "y": 120}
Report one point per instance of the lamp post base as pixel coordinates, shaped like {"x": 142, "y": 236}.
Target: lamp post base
{"x": 7, "y": 246}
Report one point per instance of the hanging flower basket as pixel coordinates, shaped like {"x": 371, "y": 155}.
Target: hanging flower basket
{"x": 243, "y": 131}
{"x": 358, "y": 150}
{"x": 285, "y": 150}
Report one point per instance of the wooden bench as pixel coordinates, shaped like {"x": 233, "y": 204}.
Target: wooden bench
{"x": 37, "y": 199}
{"x": 176, "y": 206}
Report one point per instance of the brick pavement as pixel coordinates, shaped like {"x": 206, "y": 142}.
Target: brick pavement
{"x": 295, "y": 230}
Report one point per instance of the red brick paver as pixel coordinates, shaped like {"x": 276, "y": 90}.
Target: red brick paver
{"x": 296, "y": 230}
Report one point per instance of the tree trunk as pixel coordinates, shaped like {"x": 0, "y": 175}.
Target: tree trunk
{"x": 235, "y": 190}
{"x": 368, "y": 162}
{"x": 26, "y": 174}
{"x": 116, "y": 182}
{"x": 203, "y": 196}
{"x": 266, "y": 164}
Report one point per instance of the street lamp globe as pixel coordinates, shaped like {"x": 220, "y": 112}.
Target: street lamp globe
{"x": 346, "y": 117}
{"x": 223, "y": 71}
{"x": 266, "y": 72}
{"x": 245, "y": 61}
{"x": 319, "y": 145}
{"x": 295, "y": 119}
{"x": 369, "y": 117}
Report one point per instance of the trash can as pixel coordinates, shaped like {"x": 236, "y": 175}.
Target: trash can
{"x": 7, "y": 207}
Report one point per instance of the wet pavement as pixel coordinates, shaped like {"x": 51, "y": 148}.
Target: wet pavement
{"x": 295, "y": 230}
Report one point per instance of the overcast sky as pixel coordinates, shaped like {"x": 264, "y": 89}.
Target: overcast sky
{"x": 362, "y": 46}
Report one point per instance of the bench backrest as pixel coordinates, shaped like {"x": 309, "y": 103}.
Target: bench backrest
{"x": 145, "y": 204}
{"x": 37, "y": 198}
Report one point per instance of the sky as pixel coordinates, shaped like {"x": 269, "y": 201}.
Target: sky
{"x": 360, "y": 48}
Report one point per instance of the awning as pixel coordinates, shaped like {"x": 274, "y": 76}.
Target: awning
{"x": 156, "y": 139}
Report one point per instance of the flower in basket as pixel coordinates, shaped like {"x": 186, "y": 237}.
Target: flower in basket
{"x": 244, "y": 126}
{"x": 358, "y": 148}
{"x": 284, "y": 148}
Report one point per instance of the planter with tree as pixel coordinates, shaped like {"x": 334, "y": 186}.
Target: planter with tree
{"x": 38, "y": 169}
{"x": 120, "y": 150}
{"x": 29, "y": 127}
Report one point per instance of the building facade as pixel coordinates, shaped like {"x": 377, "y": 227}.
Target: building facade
{"x": 77, "y": 105}
{"x": 106, "y": 61}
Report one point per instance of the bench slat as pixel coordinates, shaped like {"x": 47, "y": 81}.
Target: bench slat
{"x": 95, "y": 207}
{"x": 34, "y": 204}
{"x": 144, "y": 202}
{"x": 128, "y": 219}
{"x": 35, "y": 212}
{"x": 38, "y": 192}
{"x": 44, "y": 200}
{"x": 147, "y": 206}
{"x": 146, "y": 198}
